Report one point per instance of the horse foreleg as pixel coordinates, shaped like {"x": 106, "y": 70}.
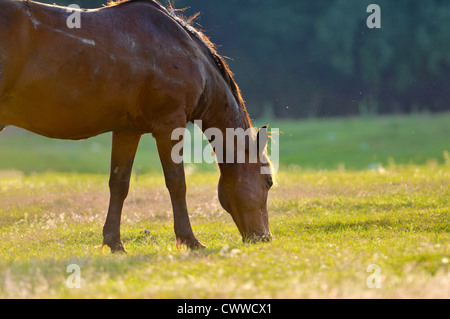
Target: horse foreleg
{"x": 124, "y": 149}
{"x": 176, "y": 184}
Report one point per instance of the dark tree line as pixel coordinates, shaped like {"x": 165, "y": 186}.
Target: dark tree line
{"x": 300, "y": 58}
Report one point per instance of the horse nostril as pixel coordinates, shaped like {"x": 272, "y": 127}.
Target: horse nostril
{"x": 258, "y": 238}
{"x": 266, "y": 238}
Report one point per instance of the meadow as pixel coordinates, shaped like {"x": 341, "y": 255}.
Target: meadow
{"x": 351, "y": 194}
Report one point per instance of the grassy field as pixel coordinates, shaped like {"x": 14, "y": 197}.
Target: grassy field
{"x": 351, "y": 194}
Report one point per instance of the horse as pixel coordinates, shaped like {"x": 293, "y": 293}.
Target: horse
{"x": 131, "y": 68}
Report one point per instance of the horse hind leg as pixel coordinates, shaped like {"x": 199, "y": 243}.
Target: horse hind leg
{"x": 124, "y": 150}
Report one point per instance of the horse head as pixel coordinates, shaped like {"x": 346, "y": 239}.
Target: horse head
{"x": 243, "y": 191}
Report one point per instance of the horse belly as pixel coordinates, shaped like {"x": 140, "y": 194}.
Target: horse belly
{"x": 72, "y": 105}
{"x": 63, "y": 119}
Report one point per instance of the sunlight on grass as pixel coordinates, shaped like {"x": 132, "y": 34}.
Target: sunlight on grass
{"x": 329, "y": 226}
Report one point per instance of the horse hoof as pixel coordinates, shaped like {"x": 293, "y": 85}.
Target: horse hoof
{"x": 192, "y": 244}
{"x": 116, "y": 248}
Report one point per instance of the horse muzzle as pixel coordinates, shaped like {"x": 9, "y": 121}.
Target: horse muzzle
{"x": 257, "y": 238}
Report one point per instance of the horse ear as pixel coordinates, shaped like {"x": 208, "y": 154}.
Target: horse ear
{"x": 262, "y": 139}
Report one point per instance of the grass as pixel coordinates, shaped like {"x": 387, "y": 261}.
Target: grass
{"x": 329, "y": 225}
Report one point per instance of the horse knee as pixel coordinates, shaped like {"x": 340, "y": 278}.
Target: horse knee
{"x": 176, "y": 186}
{"x": 119, "y": 188}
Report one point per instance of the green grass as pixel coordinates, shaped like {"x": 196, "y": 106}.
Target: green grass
{"x": 333, "y": 213}
{"x": 357, "y": 143}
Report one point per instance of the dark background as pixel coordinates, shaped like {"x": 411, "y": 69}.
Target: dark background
{"x": 299, "y": 59}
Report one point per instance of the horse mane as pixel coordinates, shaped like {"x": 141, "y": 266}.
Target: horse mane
{"x": 219, "y": 61}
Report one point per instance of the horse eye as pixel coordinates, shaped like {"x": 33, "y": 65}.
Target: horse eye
{"x": 270, "y": 182}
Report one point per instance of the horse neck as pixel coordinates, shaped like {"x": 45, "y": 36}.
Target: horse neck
{"x": 224, "y": 112}
{"x": 221, "y": 109}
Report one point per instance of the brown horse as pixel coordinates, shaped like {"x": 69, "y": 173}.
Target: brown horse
{"x": 131, "y": 68}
